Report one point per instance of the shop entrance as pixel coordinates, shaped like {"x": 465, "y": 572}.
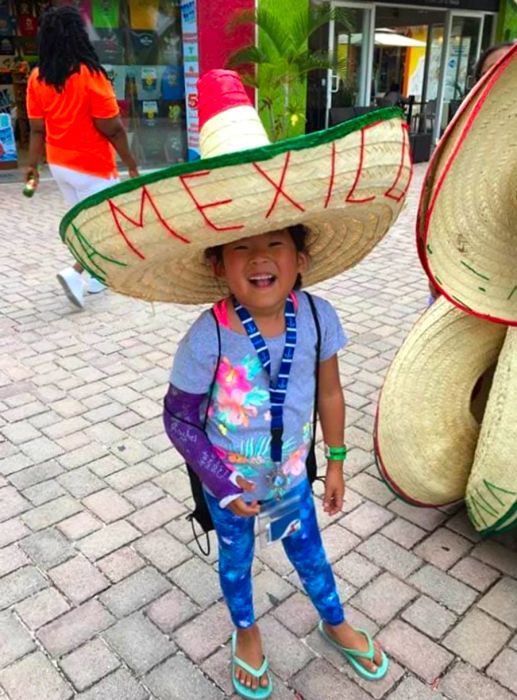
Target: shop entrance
{"x": 138, "y": 42}
{"x": 420, "y": 59}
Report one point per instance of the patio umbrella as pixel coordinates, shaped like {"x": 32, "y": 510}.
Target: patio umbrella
{"x": 384, "y": 37}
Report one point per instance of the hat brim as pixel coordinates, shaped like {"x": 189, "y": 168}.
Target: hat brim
{"x": 491, "y": 496}
{"x": 425, "y": 433}
{"x": 467, "y": 218}
{"x": 147, "y": 237}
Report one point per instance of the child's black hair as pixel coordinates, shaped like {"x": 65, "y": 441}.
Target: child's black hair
{"x": 298, "y": 233}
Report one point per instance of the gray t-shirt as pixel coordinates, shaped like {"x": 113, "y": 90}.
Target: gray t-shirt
{"x": 239, "y": 413}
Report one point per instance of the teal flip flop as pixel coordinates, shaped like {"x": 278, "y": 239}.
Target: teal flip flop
{"x": 352, "y": 655}
{"x": 259, "y": 693}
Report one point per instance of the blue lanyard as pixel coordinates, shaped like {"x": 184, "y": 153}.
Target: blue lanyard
{"x": 278, "y": 388}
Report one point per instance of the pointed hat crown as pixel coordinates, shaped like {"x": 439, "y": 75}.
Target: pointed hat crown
{"x": 228, "y": 122}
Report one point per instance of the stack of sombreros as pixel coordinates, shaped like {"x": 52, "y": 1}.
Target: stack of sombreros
{"x": 147, "y": 237}
{"x": 446, "y": 425}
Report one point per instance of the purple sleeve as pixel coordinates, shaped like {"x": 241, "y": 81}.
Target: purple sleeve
{"x": 185, "y": 430}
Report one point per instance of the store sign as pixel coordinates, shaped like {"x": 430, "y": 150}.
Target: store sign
{"x": 479, "y": 5}
{"x": 191, "y": 74}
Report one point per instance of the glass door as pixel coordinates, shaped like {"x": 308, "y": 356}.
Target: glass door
{"x": 462, "y": 47}
{"x": 350, "y": 41}
{"x": 406, "y": 67}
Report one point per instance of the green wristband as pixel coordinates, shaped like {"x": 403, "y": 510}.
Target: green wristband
{"x": 335, "y": 453}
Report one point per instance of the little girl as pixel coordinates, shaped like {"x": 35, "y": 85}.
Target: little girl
{"x": 250, "y": 456}
{"x": 240, "y": 408}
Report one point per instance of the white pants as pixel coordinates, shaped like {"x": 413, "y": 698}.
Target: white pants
{"x": 76, "y": 186}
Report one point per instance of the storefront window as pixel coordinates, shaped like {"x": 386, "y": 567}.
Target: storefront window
{"x": 488, "y": 31}
{"x": 350, "y": 46}
{"x": 139, "y": 42}
{"x": 408, "y": 48}
{"x": 463, "y": 52}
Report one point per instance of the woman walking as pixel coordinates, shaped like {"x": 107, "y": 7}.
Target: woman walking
{"x": 75, "y": 117}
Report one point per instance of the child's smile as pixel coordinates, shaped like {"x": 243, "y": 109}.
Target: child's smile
{"x": 261, "y": 271}
{"x": 262, "y": 281}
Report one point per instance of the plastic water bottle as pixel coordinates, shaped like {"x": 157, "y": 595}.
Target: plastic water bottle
{"x": 30, "y": 187}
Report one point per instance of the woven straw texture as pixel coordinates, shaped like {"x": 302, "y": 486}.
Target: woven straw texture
{"x": 467, "y": 222}
{"x": 426, "y": 433}
{"x": 232, "y": 130}
{"x": 146, "y": 238}
{"x": 492, "y": 487}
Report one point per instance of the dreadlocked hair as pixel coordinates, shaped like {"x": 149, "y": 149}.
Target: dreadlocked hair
{"x": 63, "y": 45}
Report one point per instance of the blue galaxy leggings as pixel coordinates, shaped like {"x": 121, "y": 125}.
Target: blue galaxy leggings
{"x": 304, "y": 549}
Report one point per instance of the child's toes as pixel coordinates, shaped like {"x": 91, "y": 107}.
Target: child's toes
{"x": 242, "y": 677}
{"x": 376, "y": 662}
{"x": 377, "y": 659}
{"x": 373, "y": 664}
{"x": 369, "y": 665}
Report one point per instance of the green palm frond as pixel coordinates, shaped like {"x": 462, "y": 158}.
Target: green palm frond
{"x": 318, "y": 16}
{"x": 319, "y": 61}
{"x": 308, "y": 22}
{"x": 342, "y": 19}
{"x": 250, "y": 79}
{"x": 270, "y": 26}
{"x": 283, "y": 59}
{"x": 248, "y": 54}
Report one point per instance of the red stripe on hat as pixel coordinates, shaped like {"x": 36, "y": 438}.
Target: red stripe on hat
{"x": 218, "y": 91}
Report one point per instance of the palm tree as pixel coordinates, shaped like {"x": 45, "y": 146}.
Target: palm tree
{"x": 282, "y": 60}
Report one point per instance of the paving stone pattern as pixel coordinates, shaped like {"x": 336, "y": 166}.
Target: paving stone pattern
{"x": 102, "y": 592}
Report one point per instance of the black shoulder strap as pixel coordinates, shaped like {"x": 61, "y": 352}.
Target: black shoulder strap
{"x": 312, "y": 468}
{"x": 318, "y": 355}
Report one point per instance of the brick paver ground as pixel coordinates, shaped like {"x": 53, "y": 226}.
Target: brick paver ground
{"x": 102, "y": 592}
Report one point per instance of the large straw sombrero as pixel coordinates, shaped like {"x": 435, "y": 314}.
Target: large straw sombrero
{"x": 146, "y": 237}
{"x": 492, "y": 487}
{"x": 467, "y": 220}
{"x": 426, "y": 428}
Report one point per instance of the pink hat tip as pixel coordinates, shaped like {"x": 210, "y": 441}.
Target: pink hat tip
{"x": 219, "y": 90}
